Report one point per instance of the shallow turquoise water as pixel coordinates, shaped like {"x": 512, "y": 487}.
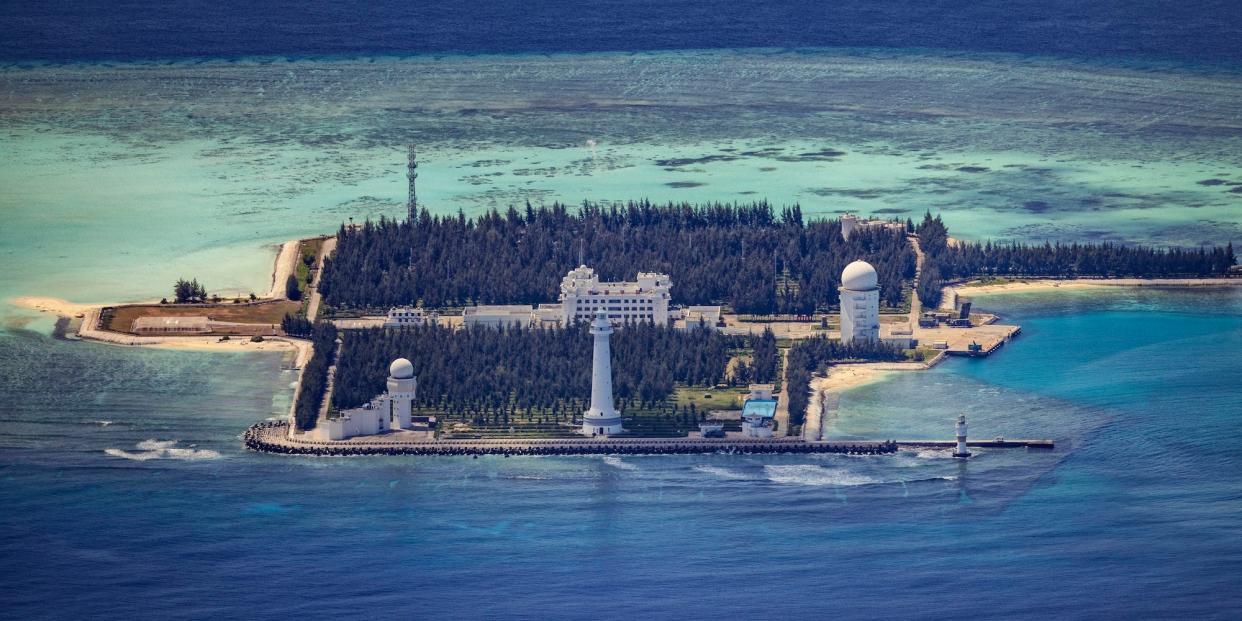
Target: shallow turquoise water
{"x": 1134, "y": 514}
{"x": 121, "y": 177}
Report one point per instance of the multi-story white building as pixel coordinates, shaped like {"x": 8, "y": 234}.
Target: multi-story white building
{"x": 582, "y": 295}
{"x": 860, "y": 303}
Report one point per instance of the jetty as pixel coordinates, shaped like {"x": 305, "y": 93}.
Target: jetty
{"x": 273, "y": 437}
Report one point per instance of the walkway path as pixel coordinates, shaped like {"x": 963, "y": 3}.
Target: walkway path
{"x": 782, "y": 400}
{"x": 272, "y": 437}
{"x": 325, "y": 249}
{"x": 916, "y": 306}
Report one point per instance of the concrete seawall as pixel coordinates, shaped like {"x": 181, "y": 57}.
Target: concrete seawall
{"x": 272, "y": 437}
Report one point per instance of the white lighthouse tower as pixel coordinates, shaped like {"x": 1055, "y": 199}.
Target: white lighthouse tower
{"x": 961, "y": 450}
{"x": 602, "y": 419}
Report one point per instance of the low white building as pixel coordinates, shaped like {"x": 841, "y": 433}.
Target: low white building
{"x": 759, "y": 412}
{"x": 171, "y": 325}
{"x": 693, "y": 317}
{"x": 898, "y": 335}
{"x": 519, "y": 315}
{"x": 405, "y": 316}
{"x": 646, "y": 299}
{"x": 391, "y": 410}
{"x": 851, "y": 223}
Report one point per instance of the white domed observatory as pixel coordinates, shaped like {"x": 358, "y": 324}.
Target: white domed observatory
{"x": 387, "y": 412}
{"x": 401, "y": 388}
{"x": 860, "y": 303}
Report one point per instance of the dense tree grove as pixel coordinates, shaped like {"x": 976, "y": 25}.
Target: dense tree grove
{"x": 315, "y": 375}
{"x": 967, "y": 260}
{"x": 296, "y": 325}
{"x": 485, "y": 368}
{"x": 763, "y": 365}
{"x": 815, "y": 354}
{"x": 745, "y": 256}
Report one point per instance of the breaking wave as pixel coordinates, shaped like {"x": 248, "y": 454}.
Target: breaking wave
{"x": 162, "y": 449}
{"x": 723, "y": 473}
{"x": 616, "y": 462}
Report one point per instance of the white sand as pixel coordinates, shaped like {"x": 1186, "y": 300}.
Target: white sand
{"x": 56, "y": 306}
{"x": 1048, "y": 284}
{"x": 843, "y": 377}
{"x": 286, "y": 264}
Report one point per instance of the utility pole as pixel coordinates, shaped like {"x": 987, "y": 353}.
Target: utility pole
{"x": 411, "y": 173}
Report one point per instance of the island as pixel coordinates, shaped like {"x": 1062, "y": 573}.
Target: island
{"x": 616, "y": 328}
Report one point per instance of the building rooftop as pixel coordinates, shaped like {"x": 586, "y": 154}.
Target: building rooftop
{"x": 764, "y": 408}
{"x": 171, "y": 323}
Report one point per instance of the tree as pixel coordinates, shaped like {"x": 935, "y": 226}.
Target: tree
{"x": 189, "y": 291}
{"x": 292, "y": 291}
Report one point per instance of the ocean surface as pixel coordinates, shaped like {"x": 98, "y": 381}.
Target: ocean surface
{"x": 126, "y": 494}
{"x": 143, "y": 142}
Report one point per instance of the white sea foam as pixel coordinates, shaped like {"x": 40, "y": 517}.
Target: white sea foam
{"x": 102, "y": 423}
{"x": 817, "y": 476}
{"x": 155, "y": 445}
{"x": 134, "y": 456}
{"x": 163, "y": 449}
{"x": 723, "y": 473}
{"x": 616, "y": 462}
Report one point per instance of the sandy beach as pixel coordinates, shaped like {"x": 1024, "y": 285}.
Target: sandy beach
{"x": 1051, "y": 284}
{"x": 842, "y": 377}
{"x": 284, "y": 265}
{"x": 55, "y": 306}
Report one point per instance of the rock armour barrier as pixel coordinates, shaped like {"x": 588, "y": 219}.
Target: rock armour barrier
{"x": 270, "y": 437}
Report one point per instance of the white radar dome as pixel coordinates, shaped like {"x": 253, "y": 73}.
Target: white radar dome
{"x": 401, "y": 369}
{"x": 859, "y": 276}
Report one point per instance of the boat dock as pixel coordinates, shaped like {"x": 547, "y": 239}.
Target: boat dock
{"x": 272, "y": 437}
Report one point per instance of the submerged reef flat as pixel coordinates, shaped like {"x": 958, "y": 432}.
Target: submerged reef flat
{"x": 215, "y": 159}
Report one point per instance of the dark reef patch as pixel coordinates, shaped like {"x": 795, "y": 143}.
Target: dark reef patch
{"x": 973, "y": 169}
{"x": 686, "y": 161}
{"x": 1036, "y": 206}
{"x": 891, "y": 210}
{"x": 762, "y": 153}
{"x": 684, "y": 184}
{"x": 866, "y": 193}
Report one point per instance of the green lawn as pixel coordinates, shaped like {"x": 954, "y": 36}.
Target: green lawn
{"x": 721, "y": 398}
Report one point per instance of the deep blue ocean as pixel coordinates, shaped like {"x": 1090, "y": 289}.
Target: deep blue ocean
{"x": 126, "y": 494}
{"x": 1204, "y": 31}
